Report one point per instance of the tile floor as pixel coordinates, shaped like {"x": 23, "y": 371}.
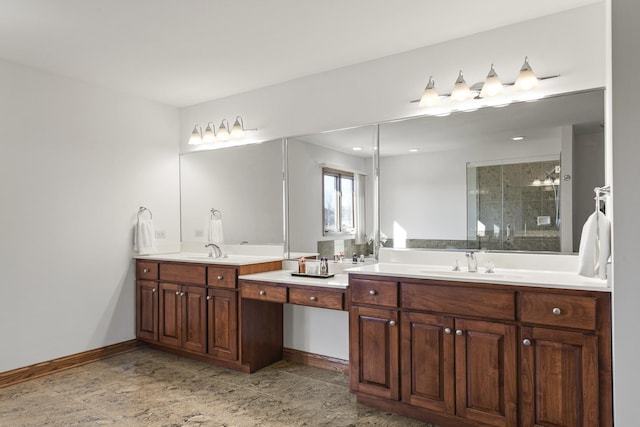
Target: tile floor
{"x": 151, "y": 388}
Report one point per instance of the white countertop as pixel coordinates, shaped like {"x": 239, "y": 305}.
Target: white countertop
{"x": 203, "y": 258}
{"x": 538, "y": 278}
{"x": 339, "y": 281}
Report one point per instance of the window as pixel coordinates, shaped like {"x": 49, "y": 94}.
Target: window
{"x": 338, "y": 201}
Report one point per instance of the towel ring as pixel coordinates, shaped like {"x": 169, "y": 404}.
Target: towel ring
{"x": 143, "y": 210}
{"x": 215, "y": 213}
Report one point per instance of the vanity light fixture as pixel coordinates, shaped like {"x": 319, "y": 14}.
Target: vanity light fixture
{"x": 430, "y": 96}
{"x": 357, "y": 148}
{"x": 196, "y": 136}
{"x": 223, "y": 130}
{"x": 413, "y": 150}
{"x": 209, "y": 134}
{"x": 461, "y": 91}
{"x": 492, "y": 85}
{"x": 237, "y": 131}
{"x": 517, "y": 138}
{"x": 527, "y": 79}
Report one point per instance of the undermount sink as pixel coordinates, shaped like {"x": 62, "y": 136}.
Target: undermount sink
{"x": 477, "y": 275}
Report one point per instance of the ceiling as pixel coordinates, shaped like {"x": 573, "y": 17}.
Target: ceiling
{"x": 535, "y": 121}
{"x": 184, "y": 52}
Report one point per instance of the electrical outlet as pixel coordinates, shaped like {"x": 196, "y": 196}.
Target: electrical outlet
{"x": 198, "y": 233}
{"x": 161, "y": 234}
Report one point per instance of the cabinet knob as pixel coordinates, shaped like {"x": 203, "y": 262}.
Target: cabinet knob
{"x": 392, "y": 323}
{"x": 262, "y": 293}
{"x": 181, "y": 294}
{"x": 177, "y": 292}
{"x": 145, "y": 270}
{"x": 556, "y": 311}
{"x": 526, "y": 342}
{"x": 220, "y": 277}
{"x": 313, "y": 298}
{"x": 372, "y": 292}
{"x": 447, "y": 330}
{"x": 208, "y": 297}
{"x": 459, "y": 332}
{"x": 153, "y": 290}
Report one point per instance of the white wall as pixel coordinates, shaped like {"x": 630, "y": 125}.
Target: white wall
{"x": 626, "y": 206}
{"x": 76, "y": 162}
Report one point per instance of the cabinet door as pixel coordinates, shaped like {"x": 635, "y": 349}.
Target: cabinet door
{"x": 222, "y": 313}
{"x": 428, "y": 361}
{"x": 147, "y": 310}
{"x": 170, "y": 314}
{"x": 486, "y": 372}
{"x": 559, "y": 378}
{"x": 194, "y": 318}
{"x": 374, "y": 363}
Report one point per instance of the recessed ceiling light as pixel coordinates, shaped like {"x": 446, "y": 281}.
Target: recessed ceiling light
{"x": 517, "y": 138}
{"x": 357, "y": 148}
{"x": 413, "y": 150}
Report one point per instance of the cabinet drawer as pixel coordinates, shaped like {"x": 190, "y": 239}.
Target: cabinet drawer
{"x": 570, "y": 311}
{"x": 488, "y": 303}
{"x": 221, "y": 277}
{"x": 316, "y": 298}
{"x": 146, "y": 270}
{"x": 264, "y": 292}
{"x": 196, "y": 274}
{"x": 374, "y": 292}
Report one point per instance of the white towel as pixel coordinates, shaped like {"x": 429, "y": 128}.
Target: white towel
{"x": 144, "y": 237}
{"x": 595, "y": 246}
{"x": 215, "y": 231}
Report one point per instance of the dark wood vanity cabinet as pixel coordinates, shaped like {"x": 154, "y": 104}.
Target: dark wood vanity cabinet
{"x": 482, "y": 355}
{"x": 222, "y": 315}
{"x": 183, "y": 317}
{"x": 147, "y": 310}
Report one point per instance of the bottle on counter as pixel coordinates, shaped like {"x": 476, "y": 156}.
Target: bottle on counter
{"x": 302, "y": 267}
{"x": 324, "y": 266}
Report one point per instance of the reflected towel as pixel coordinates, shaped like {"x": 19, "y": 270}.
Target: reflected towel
{"x": 215, "y": 231}
{"x": 144, "y": 237}
{"x": 595, "y": 246}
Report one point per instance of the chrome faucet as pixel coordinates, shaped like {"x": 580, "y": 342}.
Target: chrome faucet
{"x": 472, "y": 262}
{"x": 214, "y": 248}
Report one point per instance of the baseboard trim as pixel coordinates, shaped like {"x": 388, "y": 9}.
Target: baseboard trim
{"x": 315, "y": 360}
{"x": 49, "y": 367}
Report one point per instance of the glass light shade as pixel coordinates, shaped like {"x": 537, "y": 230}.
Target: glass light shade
{"x": 461, "y": 91}
{"x": 430, "y": 96}
{"x": 536, "y": 182}
{"x": 223, "y": 131}
{"x": 548, "y": 181}
{"x": 196, "y": 137}
{"x": 527, "y": 79}
{"x": 492, "y": 85}
{"x": 237, "y": 131}
{"x": 209, "y": 134}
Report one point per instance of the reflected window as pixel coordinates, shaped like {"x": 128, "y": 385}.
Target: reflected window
{"x": 338, "y": 201}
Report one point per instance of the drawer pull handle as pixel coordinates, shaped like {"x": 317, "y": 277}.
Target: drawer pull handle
{"x": 526, "y": 342}
{"x": 459, "y": 332}
{"x": 153, "y": 290}
{"x": 146, "y": 270}
{"x": 220, "y": 277}
{"x": 372, "y": 292}
{"x": 313, "y": 298}
{"x": 262, "y": 293}
{"x": 392, "y": 323}
{"x": 556, "y": 311}
{"x": 447, "y": 330}
{"x": 208, "y": 297}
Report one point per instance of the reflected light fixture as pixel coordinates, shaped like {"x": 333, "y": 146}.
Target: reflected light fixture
{"x": 430, "y": 96}
{"x": 209, "y": 134}
{"x": 196, "y": 136}
{"x": 413, "y": 150}
{"x": 461, "y": 91}
{"x": 517, "y": 138}
{"x": 492, "y": 85}
{"x": 223, "y": 130}
{"x": 357, "y": 148}
{"x": 527, "y": 79}
{"x": 237, "y": 130}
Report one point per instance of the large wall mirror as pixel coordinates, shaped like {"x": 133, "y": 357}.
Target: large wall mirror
{"x": 244, "y": 184}
{"x": 331, "y": 192}
{"x": 520, "y": 177}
